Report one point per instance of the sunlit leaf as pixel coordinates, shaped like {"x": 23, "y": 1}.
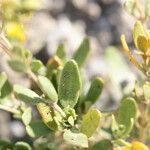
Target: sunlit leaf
{"x": 90, "y": 122}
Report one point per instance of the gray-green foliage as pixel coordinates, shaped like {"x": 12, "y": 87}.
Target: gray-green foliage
{"x": 26, "y": 95}
{"x": 69, "y": 84}
{"x": 94, "y": 92}
{"x": 82, "y": 52}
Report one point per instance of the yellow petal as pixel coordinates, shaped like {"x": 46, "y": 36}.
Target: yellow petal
{"x": 126, "y": 148}
{"x": 14, "y": 30}
{"x": 143, "y": 43}
{"x": 128, "y": 52}
{"x": 139, "y": 146}
{"x": 138, "y": 31}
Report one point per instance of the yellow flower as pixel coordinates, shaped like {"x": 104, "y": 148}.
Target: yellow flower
{"x": 14, "y": 30}
{"x": 141, "y": 39}
{"x": 136, "y": 146}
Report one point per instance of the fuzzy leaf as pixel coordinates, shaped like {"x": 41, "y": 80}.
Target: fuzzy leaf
{"x": 37, "y": 128}
{"x": 127, "y": 113}
{"x": 138, "y": 31}
{"x": 26, "y": 94}
{"x": 47, "y": 115}
{"x": 6, "y": 89}
{"x": 36, "y": 65}
{"x": 94, "y": 92}
{"x": 18, "y": 65}
{"x": 27, "y": 116}
{"x": 22, "y": 146}
{"x": 82, "y": 52}
{"x": 48, "y": 89}
{"x": 90, "y": 122}
{"x": 103, "y": 145}
{"x": 77, "y": 139}
{"x": 61, "y": 53}
{"x": 69, "y": 85}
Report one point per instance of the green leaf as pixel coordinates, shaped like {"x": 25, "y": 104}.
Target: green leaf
{"x": 48, "y": 115}
{"x": 94, "y": 92}
{"x": 3, "y": 79}
{"x": 61, "y": 53}
{"x": 69, "y": 85}
{"x": 48, "y": 89}
{"x": 126, "y": 114}
{"x": 77, "y": 139}
{"x": 37, "y": 128}
{"x": 22, "y": 146}
{"x": 138, "y": 31}
{"x": 18, "y": 65}
{"x": 27, "y": 95}
{"x": 6, "y": 89}
{"x": 4, "y": 145}
{"x": 82, "y": 52}
{"x": 90, "y": 122}
{"x": 103, "y": 145}
{"x": 36, "y": 65}
{"x": 27, "y": 116}
{"x": 146, "y": 90}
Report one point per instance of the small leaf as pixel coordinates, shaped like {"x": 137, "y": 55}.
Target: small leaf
{"x": 27, "y": 116}
{"x": 103, "y": 145}
{"x": 146, "y": 89}
{"x": 27, "y": 95}
{"x": 37, "y": 128}
{"x": 22, "y": 146}
{"x": 18, "y": 65}
{"x": 127, "y": 113}
{"x": 47, "y": 115}
{"x": 143, "y": 43}
{"x": 94, "y": 92}
{"x": 47, "y": 88}
{"x": 71, "y": 120}
{"x": 6, "y": 89}
{"x": 3, "y": 79}
{"x": 82, "y": 52}
{"x": 90, "y": 122}
{"x": 77, "y": 139}
{"x": 138, "y": 31}
{"x": 69, "y": 85}
{"x": 61, "y": 53}
{"x": 36, "y": 65}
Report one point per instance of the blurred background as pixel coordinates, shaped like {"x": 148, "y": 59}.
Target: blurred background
{"x": 68, "y": 22}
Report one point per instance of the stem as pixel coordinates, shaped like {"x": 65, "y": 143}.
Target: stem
{"x": 11, "y": 110}
{"x": 54, "y": 105}
{"x": 58, "y": 109}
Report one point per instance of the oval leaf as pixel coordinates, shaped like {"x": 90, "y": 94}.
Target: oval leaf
{"x": 26, "y": 94}
{"x": 22, "y": 146}
{"x": 127, "y": 113}
{"x": 77, "y": 139}
{"x": 94, "y": 92}
{"x": 27, "y": 116}
{"x": 18, "y": 65}
{"x": 47, "y": 88}
{"x": 90, "y": 122}
{"x": 82, "y": 52}
{"x": 70, "y": 84}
